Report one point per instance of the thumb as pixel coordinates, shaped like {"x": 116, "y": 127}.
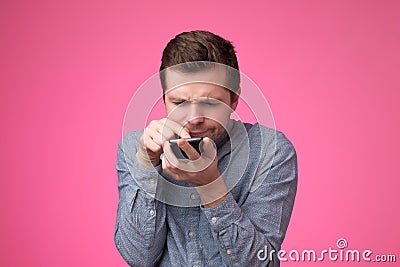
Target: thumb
{"x": 208, "y": 148}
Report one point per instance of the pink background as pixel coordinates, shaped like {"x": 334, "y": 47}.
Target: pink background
{"x": 329, "y": 69}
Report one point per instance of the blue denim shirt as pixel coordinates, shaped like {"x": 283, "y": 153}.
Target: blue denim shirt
{"x": 254, "y": 216}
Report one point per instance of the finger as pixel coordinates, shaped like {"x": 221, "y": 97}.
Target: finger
{"x": 170, "y": 155}
{"x": 209, "y": 148}
{"x": 166, "y": 133}
{"x": 184, "y": 133}
{"x": 176, "y": 128}
{"x": 166, "y": 165}
{"x": 169, "y": 168}
{"x": 153, "y": 146}
{"x": 171, "y": 173}
{"x": 188, "y": 149}
{"x": 154, "y": 135}
{"x": 157, "y": 131}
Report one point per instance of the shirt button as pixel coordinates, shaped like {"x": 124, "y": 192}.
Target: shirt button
{"x": 229, "y": 252}
{"x": 151, "y": 181}
{"x": 192, "y": 196}
{"x": 214, "y": 219}
{"x": 191, "y": 234}
{"x": 195, "y": 265}
{"x": 152, "y": 212}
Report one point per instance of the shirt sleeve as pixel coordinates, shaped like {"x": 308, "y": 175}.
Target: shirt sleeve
{"x": 140, "y": 230}
{"x": 251, "y": 234}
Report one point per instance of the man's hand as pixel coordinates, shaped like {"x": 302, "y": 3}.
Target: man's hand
{"x": 151, "y": 142}
{"x": 201, "y": 171}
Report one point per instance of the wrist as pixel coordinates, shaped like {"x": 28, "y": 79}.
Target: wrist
{"x": 214, "y": 203}
{"x": 213, "y": 193}
{"x": 145, "y": 161}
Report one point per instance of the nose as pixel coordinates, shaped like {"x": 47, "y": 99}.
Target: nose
{"x": 195, "y": 114}
{"x": 196, "y": 120}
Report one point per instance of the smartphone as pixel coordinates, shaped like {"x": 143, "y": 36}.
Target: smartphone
{"x": 179, "y": 153}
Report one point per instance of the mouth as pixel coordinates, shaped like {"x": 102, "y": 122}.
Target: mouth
{"x": 198, "y": 133}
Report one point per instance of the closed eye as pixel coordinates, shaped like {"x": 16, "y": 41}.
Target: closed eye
{"x": 210, "y": 102}
{"x": 180, "y": 102}
{"x": 206, "y": 101}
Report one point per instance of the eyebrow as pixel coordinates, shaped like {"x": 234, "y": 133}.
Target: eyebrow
{"x": 179, "y": 99}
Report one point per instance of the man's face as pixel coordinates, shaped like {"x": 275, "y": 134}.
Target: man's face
{"x": 202, "y": 108}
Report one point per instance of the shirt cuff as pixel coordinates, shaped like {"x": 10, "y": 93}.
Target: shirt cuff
{"x": 146, "y": 178}
{"x": 224, "y": 214}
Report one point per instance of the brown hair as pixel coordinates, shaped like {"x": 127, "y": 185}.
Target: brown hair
{"x": 200, "y": 46}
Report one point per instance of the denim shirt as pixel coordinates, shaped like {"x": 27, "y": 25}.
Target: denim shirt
{"x": 253, "y": 217}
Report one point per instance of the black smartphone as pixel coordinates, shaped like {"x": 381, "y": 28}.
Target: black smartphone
{"x": 179, "y": 153}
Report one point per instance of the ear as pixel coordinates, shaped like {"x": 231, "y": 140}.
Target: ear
{"x": 234, "y": 101}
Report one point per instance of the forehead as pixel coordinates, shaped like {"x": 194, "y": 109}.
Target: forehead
{"x": 214, "y": 75}
{"x": 198, "y": 90}
{"x": 205, "y": 83}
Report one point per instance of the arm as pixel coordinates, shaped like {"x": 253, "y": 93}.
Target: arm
{"x": 260, "y": 223}
{"x": 140, "y": 230}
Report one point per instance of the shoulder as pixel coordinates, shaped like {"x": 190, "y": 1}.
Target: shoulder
{"x": 131, "y": 138}
{"x": 272, "y": 146}
{"x": 284, "y": 145}
{"x": 268, "y": 137}
{"x": 128, "y": 145}
{"x": 274, "y": 154}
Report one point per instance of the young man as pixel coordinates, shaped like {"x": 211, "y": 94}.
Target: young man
{"x": 221, "y": 207}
